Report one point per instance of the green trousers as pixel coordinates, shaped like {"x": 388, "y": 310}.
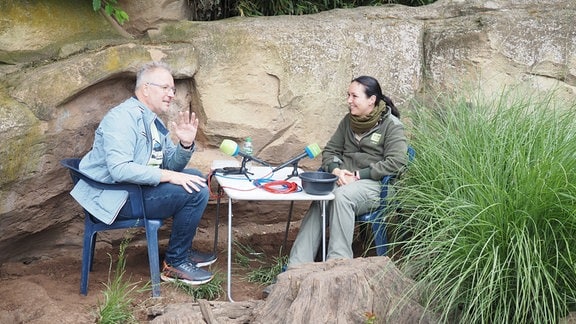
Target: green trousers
{"x": 353, "y": 199}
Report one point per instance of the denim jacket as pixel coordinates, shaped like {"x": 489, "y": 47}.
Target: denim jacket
{"x": 121, "y": 150}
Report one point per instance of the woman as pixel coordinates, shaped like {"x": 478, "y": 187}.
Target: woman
{"x": 368, "y": 144}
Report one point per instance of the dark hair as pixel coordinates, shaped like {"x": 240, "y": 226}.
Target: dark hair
{"x": 372, "y": 88}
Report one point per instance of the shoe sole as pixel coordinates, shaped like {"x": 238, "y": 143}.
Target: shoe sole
{"x": 188, "y": 282}
{"x": 204, "y": 264}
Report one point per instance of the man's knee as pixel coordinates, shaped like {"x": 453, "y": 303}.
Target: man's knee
{"x": 204, "y": 193}
{"x": 193, "y": 172}
{"x": 201, "y": 197}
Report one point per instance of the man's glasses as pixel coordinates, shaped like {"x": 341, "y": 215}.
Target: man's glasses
{"x": 166, "y": 88}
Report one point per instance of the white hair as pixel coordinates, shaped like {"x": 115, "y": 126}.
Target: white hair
{"x": 147, "y": 68}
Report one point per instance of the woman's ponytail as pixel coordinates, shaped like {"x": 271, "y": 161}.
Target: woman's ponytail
{"x": 390, "y": 106}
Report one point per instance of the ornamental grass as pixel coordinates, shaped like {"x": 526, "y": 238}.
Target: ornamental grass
{"x": 488, "y": 209}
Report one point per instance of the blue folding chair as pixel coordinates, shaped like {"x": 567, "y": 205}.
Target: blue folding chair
{"x": 375, "y": 218}
{"x": 92, "y": 226}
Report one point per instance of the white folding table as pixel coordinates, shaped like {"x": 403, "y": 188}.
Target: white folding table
{"x": 241, "y": 187}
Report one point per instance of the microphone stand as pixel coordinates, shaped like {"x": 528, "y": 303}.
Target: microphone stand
{"x": 294, "y": 170}
{"x": 294, "y": 165}
{"x": 239, "y": 170}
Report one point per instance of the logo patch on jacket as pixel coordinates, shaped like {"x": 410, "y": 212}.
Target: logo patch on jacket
{"x": 375, "y": 138}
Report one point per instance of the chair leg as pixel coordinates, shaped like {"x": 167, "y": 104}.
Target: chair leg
{"x": 93, "y": 250}
{"x": 87, "y": 258}
{"x": 152, "y": 226}
{"x": 379, "y": 230}
{"x": 364, "y": 237}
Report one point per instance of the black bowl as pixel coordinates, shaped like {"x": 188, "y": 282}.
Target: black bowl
{"x": 318, "y": 182}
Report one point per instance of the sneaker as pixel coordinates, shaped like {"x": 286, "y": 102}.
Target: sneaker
{"x": 267, "y": 290}
{"x": 187, "y": 272}
{"x": 201, "y": 259}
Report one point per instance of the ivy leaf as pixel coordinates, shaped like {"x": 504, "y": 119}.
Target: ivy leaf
{"x": 96, "y": 4}
{"x": 109, "y": 9}
{"x": 121, "y": 16}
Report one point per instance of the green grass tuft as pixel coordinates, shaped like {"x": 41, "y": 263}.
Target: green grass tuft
{"x": 266, "y": 275}
{"x": 120, "y": 292}
{"x": 268, "y": 269}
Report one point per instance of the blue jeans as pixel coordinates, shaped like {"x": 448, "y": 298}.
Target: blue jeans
{"x": 169, "y": 200}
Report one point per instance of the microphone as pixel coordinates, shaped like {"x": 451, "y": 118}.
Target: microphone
{"x": 231, "y": 148}
{"x": 310, "y": 151}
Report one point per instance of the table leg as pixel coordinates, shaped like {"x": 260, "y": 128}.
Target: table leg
{"x": 323, "y": 230}
{"x": 285, "y": 243}
{"x": 229, "y": 275}
{"x": 217, "y": 221}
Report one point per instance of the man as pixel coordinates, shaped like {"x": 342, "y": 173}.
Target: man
{"x": 133, "y": 145}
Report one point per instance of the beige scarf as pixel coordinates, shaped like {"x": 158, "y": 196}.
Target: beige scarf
{"x": 361, "y": 125}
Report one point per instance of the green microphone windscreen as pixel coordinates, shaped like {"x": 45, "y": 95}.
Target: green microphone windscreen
{"x": 229, "y": 147}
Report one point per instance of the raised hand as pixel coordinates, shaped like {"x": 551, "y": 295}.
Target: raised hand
{"x": 186, "y": 127}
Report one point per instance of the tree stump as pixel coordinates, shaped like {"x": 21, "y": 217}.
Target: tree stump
{"x": 209, "y": 312}
{"x": 360, "y": 290}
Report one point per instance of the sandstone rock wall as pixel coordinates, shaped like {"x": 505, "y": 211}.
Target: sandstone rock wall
{"x": 281, "y": 80}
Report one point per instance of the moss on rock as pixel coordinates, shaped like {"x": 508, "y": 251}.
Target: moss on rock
{"x": 36, "y": 30}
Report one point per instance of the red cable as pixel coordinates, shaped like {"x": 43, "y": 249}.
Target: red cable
{"x": 219, "y": 192}
{"x": 277, "y": 186}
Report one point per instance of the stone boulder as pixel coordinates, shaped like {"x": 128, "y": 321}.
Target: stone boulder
{"x": 146, "y": 15}
{"x": 35, "y": 31}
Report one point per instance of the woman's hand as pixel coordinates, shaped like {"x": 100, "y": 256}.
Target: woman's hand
{"x": 344, "y": 176}
{"x": 186, "y": 127}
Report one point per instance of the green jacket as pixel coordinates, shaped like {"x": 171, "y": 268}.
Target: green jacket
{"x": 380, "y": 152}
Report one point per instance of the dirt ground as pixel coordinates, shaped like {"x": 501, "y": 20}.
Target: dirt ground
{"x": 44, "y": 287}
